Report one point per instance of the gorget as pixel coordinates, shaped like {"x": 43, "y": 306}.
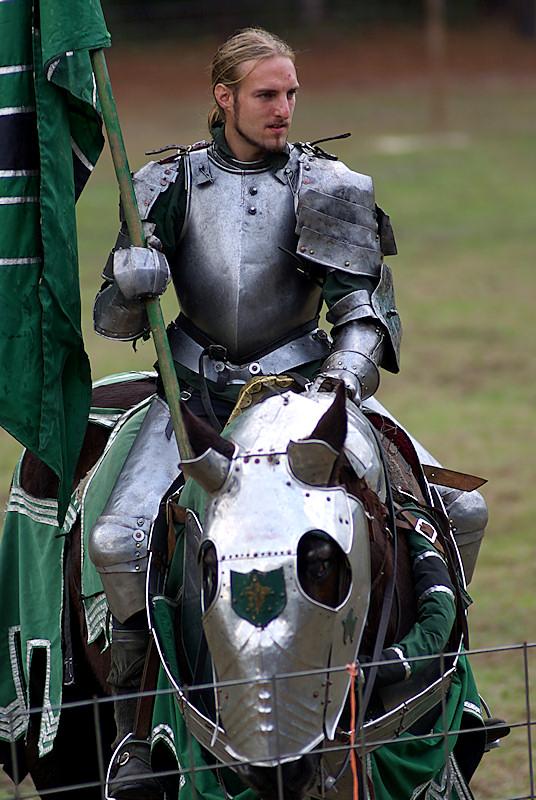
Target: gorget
{"x": 235, "y": 274}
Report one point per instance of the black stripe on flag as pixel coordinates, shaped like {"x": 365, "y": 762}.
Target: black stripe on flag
{"x": 81, "y": 175}
{"x": 18, "y": 134}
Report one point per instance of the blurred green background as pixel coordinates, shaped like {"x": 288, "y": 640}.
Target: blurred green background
{"x": 443, "y": 115}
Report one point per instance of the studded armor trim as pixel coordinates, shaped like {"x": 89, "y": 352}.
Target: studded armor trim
{"x": 235, "y": 274}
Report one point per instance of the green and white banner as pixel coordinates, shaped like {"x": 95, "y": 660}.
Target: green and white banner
{"x": 50, "y": 135}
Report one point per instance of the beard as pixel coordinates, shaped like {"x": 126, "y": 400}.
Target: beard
{"x": 261, "y": 145}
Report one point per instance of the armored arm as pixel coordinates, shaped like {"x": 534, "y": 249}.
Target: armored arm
{"x": 132, "y": 273}
{"x": 342, "y": 229}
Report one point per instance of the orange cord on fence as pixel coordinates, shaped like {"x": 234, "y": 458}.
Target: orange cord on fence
{"x": 353, "y": 671}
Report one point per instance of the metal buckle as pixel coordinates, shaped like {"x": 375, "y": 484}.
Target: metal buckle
{"x": 425, "y": 528}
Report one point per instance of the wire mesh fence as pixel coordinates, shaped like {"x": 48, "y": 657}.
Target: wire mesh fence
{"x": 356, "y": 738}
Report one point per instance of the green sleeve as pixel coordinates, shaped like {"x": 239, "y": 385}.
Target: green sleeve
{"x": 436, "y": 613}
{"x": 338, "y": 284}
{"x": 436, "y": 604}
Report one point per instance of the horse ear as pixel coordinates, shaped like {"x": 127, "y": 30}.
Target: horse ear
{"x": 312, "y": 460}
{"x": 213, "y": 453}
{"x": 332, "y": 426}
{"x": 202, "y": 436}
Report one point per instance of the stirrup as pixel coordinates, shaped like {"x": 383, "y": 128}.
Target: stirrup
{"x": 496, "y": 729}
{"x": 129, "y": 775}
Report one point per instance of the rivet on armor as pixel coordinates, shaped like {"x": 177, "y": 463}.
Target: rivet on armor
{"x": 307, "y": 167}
{"x": 312, "y": 252}
{"x": 219, "y": 366}
{"x": 138, "y": 536}
{"x": 303, "y": 249}
{"x": 253, "y": 190}
{"x": 163, "y": 182}
{"x": 346, "y": 263}
{"x": 287, "y": 171}
{"x": 140, "y": 521}
{"x": 137, "y": 567}
{"x": 138, "y": 544}
{"x": 254, "y": 368}
{"x": 252, "y": 210}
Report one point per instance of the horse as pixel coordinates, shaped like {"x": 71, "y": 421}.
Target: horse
{"x": 293, "y": 566}
{"x": 305, "y": 455}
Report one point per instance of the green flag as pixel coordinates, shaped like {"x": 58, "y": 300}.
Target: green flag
{"x": 50, "y": 134}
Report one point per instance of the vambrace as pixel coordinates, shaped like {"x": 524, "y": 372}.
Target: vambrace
{"x": 357, "y": 352}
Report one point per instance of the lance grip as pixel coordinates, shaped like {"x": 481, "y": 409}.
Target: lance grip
{"x": 135, "y": 229}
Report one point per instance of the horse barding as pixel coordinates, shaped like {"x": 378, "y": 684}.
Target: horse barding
{"x": 289, "y": 617}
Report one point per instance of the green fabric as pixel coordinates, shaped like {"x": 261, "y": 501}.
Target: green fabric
{"x": 436, "y": 615}
{"x": 338, "y": 284}
{"x": 31, "y": 569}
{"x": 398, "y": 769}
{"x": 31, "y": 559}
{"x": 45, "y": 376}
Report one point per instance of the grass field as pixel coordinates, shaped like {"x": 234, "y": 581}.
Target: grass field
{"x": 463, "y": 208}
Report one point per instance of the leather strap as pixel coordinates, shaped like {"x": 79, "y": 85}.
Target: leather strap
{"x": 144, "y": 708}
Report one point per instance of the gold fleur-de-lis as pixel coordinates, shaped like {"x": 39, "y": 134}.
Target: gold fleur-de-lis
{"x": 256, "y": 594}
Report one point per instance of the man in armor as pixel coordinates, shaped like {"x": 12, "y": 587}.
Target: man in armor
{"x": 256, "y": 234}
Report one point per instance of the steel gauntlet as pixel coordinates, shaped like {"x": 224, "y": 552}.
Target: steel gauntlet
{"x": 357, "y": 352}
{"x": 140, "y": 272}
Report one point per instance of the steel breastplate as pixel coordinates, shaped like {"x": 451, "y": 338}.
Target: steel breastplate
{"x": 234, "y": 276}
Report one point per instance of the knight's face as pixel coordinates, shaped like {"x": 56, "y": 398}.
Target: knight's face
{"x": 259, "y": 113}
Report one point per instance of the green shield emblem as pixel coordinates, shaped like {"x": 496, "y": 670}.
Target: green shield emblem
{"x": 258, "y": 597}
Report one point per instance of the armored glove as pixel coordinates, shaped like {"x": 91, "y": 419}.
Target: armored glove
{"x": 140, "y": 272}
{"x": 357, "y": 351}
{"x": 328, "y": 379}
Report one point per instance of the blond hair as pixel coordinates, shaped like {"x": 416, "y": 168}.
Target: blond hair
{"x": 248, "y": 44}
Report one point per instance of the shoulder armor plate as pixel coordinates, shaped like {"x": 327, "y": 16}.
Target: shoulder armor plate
{"x": 153, "y": 179}
{"x": 337, "y": 222}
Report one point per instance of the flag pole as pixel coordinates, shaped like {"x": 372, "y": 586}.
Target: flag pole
{"x": 135, "y": 229}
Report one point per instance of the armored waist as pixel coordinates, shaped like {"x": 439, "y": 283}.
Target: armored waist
{"x": 191, "y": 349}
